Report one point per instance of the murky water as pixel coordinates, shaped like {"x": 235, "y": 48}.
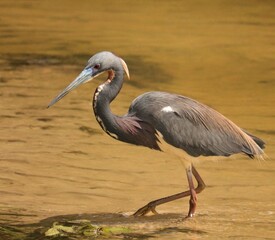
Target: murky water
{"x": 59, "y": 162}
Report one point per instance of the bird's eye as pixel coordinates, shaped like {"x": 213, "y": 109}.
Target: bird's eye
{"x": 97, "y": 66}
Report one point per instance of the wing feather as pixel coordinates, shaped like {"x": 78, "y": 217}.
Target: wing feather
{"x": 193, "y": 127}
{"x": 136, "y": 131}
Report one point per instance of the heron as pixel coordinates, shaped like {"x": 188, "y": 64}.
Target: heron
{"x": 158, "y": 117}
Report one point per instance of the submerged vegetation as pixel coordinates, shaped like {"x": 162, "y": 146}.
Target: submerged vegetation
{"x": 76, "y": 229}
{"x": 83, "y": 228}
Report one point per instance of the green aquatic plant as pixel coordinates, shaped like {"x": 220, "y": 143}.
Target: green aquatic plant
{"x": 83, "y": 228}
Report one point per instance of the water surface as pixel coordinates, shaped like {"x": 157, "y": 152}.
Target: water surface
{"x": 59, "y": 162}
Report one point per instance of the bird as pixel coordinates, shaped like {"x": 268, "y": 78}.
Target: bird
{"x": 158, "y": 117}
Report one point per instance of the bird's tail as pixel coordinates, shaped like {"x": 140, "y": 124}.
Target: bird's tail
{"x": 255, "y": 146}
{"x": 257, "y": 140}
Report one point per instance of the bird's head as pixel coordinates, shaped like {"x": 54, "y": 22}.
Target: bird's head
{"x": 97, "y": 64}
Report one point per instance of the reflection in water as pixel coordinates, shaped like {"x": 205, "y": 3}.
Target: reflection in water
{"x": 59, "y": 162}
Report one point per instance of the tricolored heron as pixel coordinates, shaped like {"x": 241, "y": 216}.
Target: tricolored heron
{"x": 154, "y": 116}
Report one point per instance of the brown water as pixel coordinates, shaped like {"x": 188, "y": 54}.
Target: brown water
{"x": 59, "y": 162}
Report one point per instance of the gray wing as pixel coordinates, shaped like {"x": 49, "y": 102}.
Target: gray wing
{"x": 192, "y": 126}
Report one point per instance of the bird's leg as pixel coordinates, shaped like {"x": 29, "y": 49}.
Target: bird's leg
{"x": 193, "y": 194}
{"x": 151, "y": 206}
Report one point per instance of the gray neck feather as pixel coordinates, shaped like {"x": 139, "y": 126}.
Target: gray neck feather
{"x": 103, "y": 96}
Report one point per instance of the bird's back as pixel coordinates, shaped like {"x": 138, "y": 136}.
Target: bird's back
{"x": 194, "y": 127}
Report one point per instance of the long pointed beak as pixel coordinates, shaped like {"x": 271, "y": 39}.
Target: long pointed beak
{"x": 85, "y": 76}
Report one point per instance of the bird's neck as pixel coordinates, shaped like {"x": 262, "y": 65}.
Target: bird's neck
{"x": 103, "y": 96}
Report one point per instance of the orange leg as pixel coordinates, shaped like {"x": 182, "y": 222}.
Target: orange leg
{"x": 151, "y": 206}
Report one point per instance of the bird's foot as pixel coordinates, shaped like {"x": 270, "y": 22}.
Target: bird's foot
{"x": 150, "y": 207}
